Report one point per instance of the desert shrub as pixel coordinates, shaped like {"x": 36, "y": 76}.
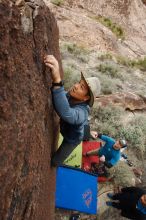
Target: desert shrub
{"x": 142, "y": 64}
{"x": 57, "y": 2}
{"x": 115, "y": 28}
{"x": 135, "y": 138}
{"x": 107, "y": 120}
{"x": 125, "y": 61}
{"x": 123, "y": 175}
{"x": 78, "y": 51}
{"x": 70, "y": 76}
{"x": 139, "y": 121}
{"x": 135, "y": 63}
{"x": 134, "y": 133}
{"x": 107, "y": 113}
{"x": 109, "y": 70}
{"x": 109, "y": 85}
{"x": 107, "y": 129}
{"x": 106, "y": 56}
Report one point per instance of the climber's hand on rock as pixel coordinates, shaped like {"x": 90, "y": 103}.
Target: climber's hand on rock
{"x": 52, "y": 62}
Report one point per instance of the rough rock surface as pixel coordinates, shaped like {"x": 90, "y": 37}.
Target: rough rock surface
{"x": 128, "y": 101}
{"x": 28, "y": 123}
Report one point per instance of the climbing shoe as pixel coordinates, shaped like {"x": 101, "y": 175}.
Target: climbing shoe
{"x": 110, "y": 195}
{"x": 129, "y": 162}
{"x": 108, "y": 203}
{"x": 74, "y": 217}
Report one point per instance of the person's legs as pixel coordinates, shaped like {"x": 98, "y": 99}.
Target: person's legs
{"x": 113, "y": 204}
{"x": 93, "y": 152}
{"x": 110, "y": 195}
{"x": 62, "y": 153}
{"x": 119, "y": 196}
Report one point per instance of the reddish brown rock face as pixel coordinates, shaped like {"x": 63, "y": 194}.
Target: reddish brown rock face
{"x": 28, "y": 123}
{"x": 144, "y": 1}
{"x": 129, "y": 101}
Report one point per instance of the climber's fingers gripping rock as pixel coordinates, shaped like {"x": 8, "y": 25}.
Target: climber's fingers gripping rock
{"x": 52, "y": 62}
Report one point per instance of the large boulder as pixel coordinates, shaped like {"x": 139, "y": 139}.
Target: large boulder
{"x": 129, "y": 101}
{"x": 28, "y": 123}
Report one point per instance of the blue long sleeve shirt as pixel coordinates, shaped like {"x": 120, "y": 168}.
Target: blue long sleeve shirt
{"x": 73, "y": 117}
{"x": 140, "y": 207}
{"x": 112, "y": 156}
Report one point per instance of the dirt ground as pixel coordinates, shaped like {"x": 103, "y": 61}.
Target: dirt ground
{"x": 62, "y": 214}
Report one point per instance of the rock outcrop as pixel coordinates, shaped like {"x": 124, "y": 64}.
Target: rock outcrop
{"x": 28, "y": 123}
{"x": 129, "y": 101}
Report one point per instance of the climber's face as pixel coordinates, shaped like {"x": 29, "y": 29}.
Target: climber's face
{"x": 143, "y": 200}
{"x": 117, "y": 145}
{"x": 80, "y": 91}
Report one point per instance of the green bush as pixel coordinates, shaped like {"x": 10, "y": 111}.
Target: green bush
{"x": 68, "y": 71}
{"x": 135, "y": 137}
{"x": 109, "y": 85}
{"x": 70, "y": 76}
{"x": 77, "y": 51}
{"x": 126, "y": 61}
{"x": 108, "y": 113}
{"x": 142, "y": 64}
{"x": 139, "y": 63}
{"x": 57, "y": 2}
{"x": 115, "y": 28}
{"x": 108, "y": 120}
{"x": 139, "y": 121}
{"x": 106, "y": 56}
{"x": 134, "y": 133}
{"x": 123, "y": 175}
{"x": 109, "y": 70}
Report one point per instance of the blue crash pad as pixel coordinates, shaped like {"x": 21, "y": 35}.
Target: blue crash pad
{"x": 76, "y": 190}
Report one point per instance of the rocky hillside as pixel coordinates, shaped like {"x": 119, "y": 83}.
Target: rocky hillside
{"x": 106, "y": 39}
{"x": 102, "y": 38}
{"x": 82, "y": 22}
